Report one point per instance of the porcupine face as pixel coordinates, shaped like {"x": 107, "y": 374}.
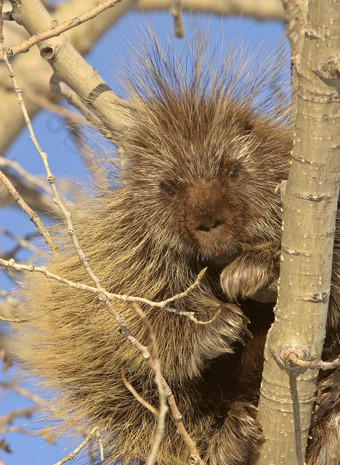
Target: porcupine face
{"x": 204, "y": 180}
{"x": 210, "y": 213}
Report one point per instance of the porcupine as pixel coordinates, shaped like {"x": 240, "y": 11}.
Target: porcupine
{"x": 201, "y": 165}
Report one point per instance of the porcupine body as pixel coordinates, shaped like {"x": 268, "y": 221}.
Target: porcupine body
{"x": 201, "y": 165}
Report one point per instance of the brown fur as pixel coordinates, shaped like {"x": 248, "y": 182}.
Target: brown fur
{"x": 198, "y": 188}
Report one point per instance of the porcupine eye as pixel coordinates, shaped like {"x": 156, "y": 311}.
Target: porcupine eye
{"x": 234, "y": 173}
{"x": 248, "y": 126}
{"x": 169, "y": 188}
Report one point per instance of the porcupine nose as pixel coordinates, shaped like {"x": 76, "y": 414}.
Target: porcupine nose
{"x": 210, "y": 226}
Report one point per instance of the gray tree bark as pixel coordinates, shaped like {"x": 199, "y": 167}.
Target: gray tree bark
{"x": 310, "y": 206}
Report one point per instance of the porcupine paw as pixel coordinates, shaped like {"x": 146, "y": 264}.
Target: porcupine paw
{"x": 238, "y": 438}
{"x": 228, "y": 326}
{"x": 244, "y": 277}
{"x": 323, "y": 439}
{"x": 324, "y": 435}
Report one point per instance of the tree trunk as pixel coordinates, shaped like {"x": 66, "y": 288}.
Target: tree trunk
{"x": 310, "y": 206}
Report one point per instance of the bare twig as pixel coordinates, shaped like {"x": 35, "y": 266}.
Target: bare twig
{"x": 137, "y": 396}
{"x": 43, "y": 155}
{"x": 176, "y": 13}
{"x": 100, "y": 443}
{"x": 44, "y": 433}
{"x": 57, "y": 30}
{"x": 163, "y": 388}
{"x": 163, "y": 410}
{"x": 33, "y": 216}
{"x": 16, "y": 413}
{"x": 61, "y": 89}
{"x": 33, "y": 180}
{"x": 23, "y": 242}
{"x": 8, "y": 297}
{"x": 5, "y": 360}
{"x": 37, "y": 199}
{"x": 45, "y": 103}
{"x": 259, "y": 9}
{"x": 4, "y": 446}
{"x": 25, "y": 393}
{"x": 262, "y": 9}
{"x": 194, "y": 454}
{"x": 48, "y": 105}
{"x": 125, "y": 298}
{"x": 312, "y": 364}
{"x": 71, "y": 455}
{"x": 160, "y": 380}
{"x": 13, "y": 320}
{"x": 6, "y": 308}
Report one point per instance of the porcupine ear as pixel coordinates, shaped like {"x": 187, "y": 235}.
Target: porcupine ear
{"x": 249, "y": 124}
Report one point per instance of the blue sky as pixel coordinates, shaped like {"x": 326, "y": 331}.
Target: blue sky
{"x": 64, "y": 161}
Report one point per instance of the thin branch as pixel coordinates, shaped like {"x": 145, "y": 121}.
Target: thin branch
{"x": 99, "y": 438}
{"x": 259, "y": 9}
{"x": 163, "y": 388}
{"x": 57, "y": 30}
{"x": 293, "y": 358}
{"x": 137, "y": 396}
{"x": 33, "y": 216}
{"x": 8, "y": 297}
{"x": 36, "y": 182}
{"x": 42, "y": 154}
{"x": 45, "y": 103}
{"x": 163, "y": 410}
{"x": 38, "y": 200}
{"x": 7, "y": 362}
{"x": 61, "y": 89}
{"x": 12, "y": 264}
{"x": 176, "y": 13}
{"x": 16, "y": 413}
{"x": 48, "y": 105}
{"x": 42, "y": 433}
{"x": 4, "y": 446}
{"x": 194, "y": 454}
{"x": 23, "y": 243}
{"x": 13, "y": 320}
{"x": 76, "y": 451}
{"x": 186, "y": 292}
{"x": 25, "y": 393}
{"x": 43, "y": 404}
{"x": 6, "y": 308}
